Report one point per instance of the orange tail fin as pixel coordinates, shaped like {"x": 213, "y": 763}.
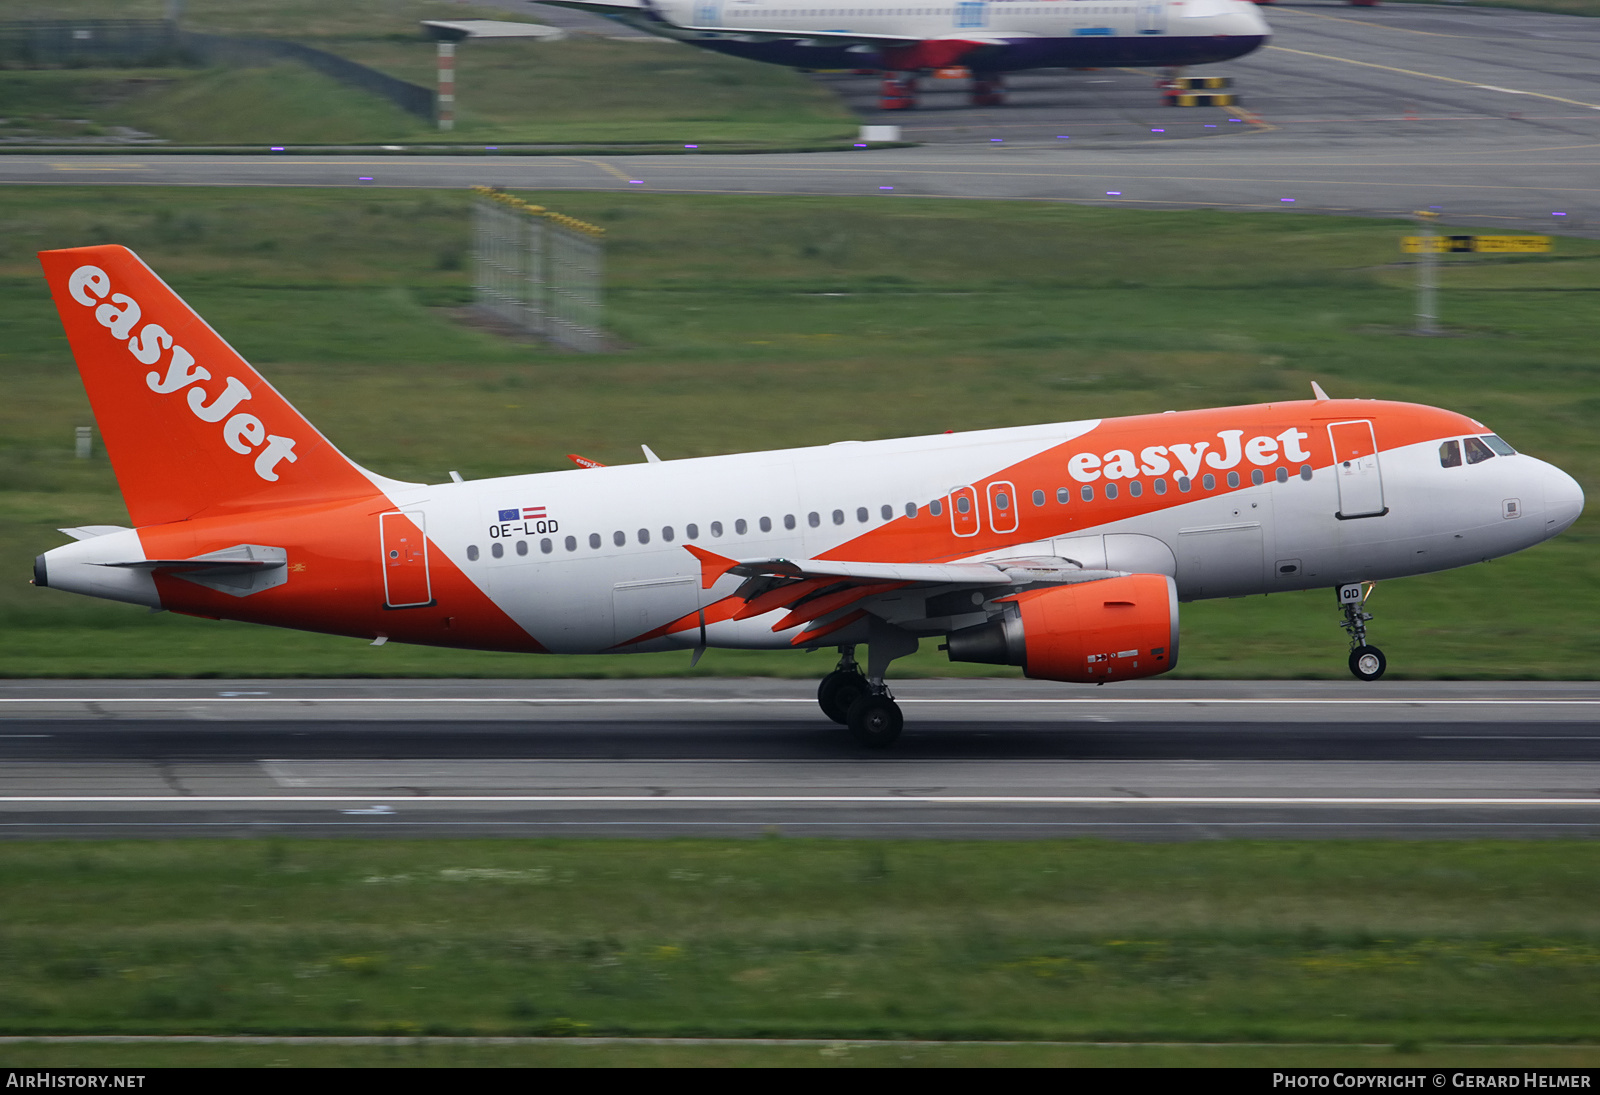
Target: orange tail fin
{"x": 190, "y": 427}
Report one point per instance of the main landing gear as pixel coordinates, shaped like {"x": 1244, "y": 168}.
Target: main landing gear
{"x": 862, "y": 703}
{"x": 1366, "y": 662}
{"x": 899, "y": 90}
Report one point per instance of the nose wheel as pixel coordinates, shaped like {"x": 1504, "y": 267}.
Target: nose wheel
{"x": 1367, "y": 662}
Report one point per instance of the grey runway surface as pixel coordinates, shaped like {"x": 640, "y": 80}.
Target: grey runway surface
{"x": 1151, "y": 760}
{"x": 1493, "y": 115}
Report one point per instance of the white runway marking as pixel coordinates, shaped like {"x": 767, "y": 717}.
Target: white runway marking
{"x": 558, "y": 701}
{"x": 874, "y": 800}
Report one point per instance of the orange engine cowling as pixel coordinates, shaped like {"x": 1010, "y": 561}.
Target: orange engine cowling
{"x": 1118, "y": 629}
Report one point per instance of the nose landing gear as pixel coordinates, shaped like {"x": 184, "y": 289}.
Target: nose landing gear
{"x": 1366, "y": 662}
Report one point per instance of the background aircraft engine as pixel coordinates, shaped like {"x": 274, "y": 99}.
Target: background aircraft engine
{"x": 1114, "y": 630}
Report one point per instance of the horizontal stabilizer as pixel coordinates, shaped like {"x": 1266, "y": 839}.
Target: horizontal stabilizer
{"x": 237, "y": 571}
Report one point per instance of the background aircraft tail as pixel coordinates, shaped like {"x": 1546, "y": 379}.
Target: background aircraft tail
{"x": 189, "y": 426}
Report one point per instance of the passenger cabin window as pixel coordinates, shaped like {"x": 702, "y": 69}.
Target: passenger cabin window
{"x": 1208, "y": 481}
{"x": 716, "y": 528}
{"x": 472, "y": 553}
{"x": 935, "y": 507}
{"x": 1450, "y": 454}
{"x": 1038, "y": 497}
{"x": 522, "y": 547}
{"x": 594, "y": 540}
{"x": 741, "y": 526}
{"x": 888, "y": 513}
{"x": 692, "y": 531}
{"x": 788, "y": 520}
{"x": 497, "y": 549}
{"x": 1477, "y": 451}
{"x": 911, "y": 509}
{"x": 862, "y": 515}
{"x": 766, "y": 524}
{"x": 1063, "y": 495}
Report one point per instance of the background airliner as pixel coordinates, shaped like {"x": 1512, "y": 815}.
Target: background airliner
{"x": 989, "y": 37}
{"x": 1063, "y": 548}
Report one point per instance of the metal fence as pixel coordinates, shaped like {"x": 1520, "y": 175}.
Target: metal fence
{"x": 538, "y": 271}
{"x": 80, "y": 43}
{"x": 217, "y": 49}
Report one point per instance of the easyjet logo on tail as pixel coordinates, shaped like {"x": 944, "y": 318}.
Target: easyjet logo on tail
{"x": 242, "y": 432}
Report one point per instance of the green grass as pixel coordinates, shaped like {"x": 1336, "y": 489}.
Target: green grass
{"x": 1405, "y": 943}
{"x": 586, "y": 89}
{"x": 760, "y": 322}
{"x": 413, "y": 1053}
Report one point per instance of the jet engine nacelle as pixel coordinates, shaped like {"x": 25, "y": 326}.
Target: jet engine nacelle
{"x": 1118, "y": 629}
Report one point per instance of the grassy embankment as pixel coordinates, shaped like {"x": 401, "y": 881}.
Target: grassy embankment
{"x": 1407, "y": 944}
{"x": 766, "y": 322}
{"x": 587, "y": 89}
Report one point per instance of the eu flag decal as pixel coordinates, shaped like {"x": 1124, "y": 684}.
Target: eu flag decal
{"x": 511, "y": 514}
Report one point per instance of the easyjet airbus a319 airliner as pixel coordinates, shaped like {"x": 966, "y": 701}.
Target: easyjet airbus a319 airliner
{"x": 1062, "y": 548}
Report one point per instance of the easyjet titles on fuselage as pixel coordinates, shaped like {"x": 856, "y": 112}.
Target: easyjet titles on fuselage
{"x": 1263, "y": 451}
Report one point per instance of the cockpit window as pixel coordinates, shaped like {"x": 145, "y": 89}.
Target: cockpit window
{"x": 1450, "y": 454}
{"x": 1477, "y": 451}
{"x": 1498, "y": 445}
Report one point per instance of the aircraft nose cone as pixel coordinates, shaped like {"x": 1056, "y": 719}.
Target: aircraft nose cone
{"x": 1563, "y": 501}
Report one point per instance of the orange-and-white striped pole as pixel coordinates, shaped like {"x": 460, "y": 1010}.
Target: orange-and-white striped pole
{"x": 446, "y": 108}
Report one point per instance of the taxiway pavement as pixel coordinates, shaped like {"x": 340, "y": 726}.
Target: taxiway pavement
{"x": 1490, "y": 115}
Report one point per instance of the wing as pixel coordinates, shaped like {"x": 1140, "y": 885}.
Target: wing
{"x": 830, "y": 594}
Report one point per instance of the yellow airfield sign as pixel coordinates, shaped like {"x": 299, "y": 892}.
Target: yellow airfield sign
{"x": 1484, "y": 245}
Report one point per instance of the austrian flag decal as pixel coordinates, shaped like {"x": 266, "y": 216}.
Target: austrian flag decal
{"x": 523, "y": 521}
